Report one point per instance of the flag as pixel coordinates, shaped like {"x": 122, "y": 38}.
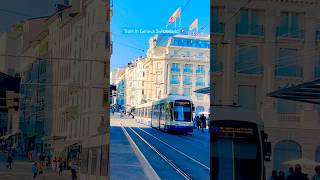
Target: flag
{"x": 194, "y": 24}
{"x": 174, "y": 16}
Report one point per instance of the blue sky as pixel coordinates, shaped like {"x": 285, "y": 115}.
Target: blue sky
{"x": 149, "y": 14}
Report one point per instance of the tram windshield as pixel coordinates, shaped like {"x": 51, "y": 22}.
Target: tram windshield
{"x": 182, "y": 111}
{"x": 237, "y": 155}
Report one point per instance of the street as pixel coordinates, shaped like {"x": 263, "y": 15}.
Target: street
{"x": 172, "y": 156}
{"x": 22, "y": 170}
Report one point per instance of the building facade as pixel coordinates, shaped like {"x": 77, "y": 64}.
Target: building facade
{"x": 262, "y": 47}
{"x": 178, "y": 65}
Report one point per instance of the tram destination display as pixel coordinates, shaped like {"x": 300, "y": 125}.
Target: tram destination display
{"x": 234, "y": 132}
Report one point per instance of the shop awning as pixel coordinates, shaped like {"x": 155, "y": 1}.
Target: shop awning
{"x": 308, "y": 92}
{"x": 205, "y": 90}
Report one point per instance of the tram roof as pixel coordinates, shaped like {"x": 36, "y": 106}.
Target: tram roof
{"x": 308, "y": 92}
{"x": 173, "y": 98}
{"x": 235, "y": 113}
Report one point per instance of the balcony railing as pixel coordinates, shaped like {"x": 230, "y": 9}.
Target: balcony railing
{"x": 289, "y": 71}
{"x": 317, "y": 72}
{"x": 174, "y": 81}
{"x": 285, "y": 32}
{"x": 200, "y": 71}
{"x": 175, "y": 69}
{"x": 289, "y": 117}
{"x": 187, "y": 70}
{"x": 217, "y": 28}
{"x": 249, "y": 29}
{"x": 245, "y": 68}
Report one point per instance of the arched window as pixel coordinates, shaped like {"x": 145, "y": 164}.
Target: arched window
{"x": 317, "y": 155}
{"x": 285, "y": 150}
{"x": 199, "y": 109}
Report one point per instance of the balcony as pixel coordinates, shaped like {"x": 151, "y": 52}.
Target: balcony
{"x": 175, "y": 70}
{"x": 248, "y": 68}
{"x": 317, "y": 72}
{"x": 249, "y": 29}
{"x": 284, "y": 32}
{"x": 200, "y": 84}
{"x": 217, "y": 28}
{"x": 187, "y": 70}
{"x": 174, "y": 81}
{"x": 289, "y": 71}
{"x": 200, "y": 71}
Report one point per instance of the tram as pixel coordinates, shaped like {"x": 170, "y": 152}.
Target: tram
{"x": 171, "y": 114}
{"x": 239, "y": 146}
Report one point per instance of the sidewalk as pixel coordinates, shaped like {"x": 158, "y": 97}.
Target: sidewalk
{"x": 125, "y": 161}
{"x": 22, "y": 170}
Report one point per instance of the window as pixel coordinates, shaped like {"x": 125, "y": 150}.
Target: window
{"x": 186, "y": 91}
{"x": 187, "y": 68}
{"x": 247, "y": 97}
{"x": 289, "y": 25}
{"x": 175, "y": 67}
{"x": 285, "y": 151}
{"x": 200, "y": 81}
{"x": 174, "y": 79}
{"x": 286, "y": 106}
{"x": 187, "y": 80}
{"x": 200, "y": 69}
{"x": 247, "y": 60}
{"x": 317, "y": 154}
{"x": 174, "y": 91}
{"x": 283, "y": 68}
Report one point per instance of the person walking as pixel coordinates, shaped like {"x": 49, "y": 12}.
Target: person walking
{"x": 298, "y": 175}
{"x": 203, "y": 122}
{"x": 274, "y": 175}
{"x": 198, "y": 122}
{"x": 281, "y": 176}
{"x": 317, "y": 173}
{"x": 61, "y": 168}
{"x": 9, "y": 161}
{"x": 40, "y": 168}
{"x": 74, "y": 170}
{"x": 35, "y": 170}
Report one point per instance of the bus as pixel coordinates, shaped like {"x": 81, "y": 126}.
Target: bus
{"x": 171, "y": 114}
{"x": 239, "y": 146}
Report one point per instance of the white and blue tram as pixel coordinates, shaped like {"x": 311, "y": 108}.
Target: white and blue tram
{"x": 239, "y": 146}
{"x": 171, "y": 114}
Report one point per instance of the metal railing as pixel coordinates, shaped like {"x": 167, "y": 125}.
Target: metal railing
{"x": 285, "y": 32}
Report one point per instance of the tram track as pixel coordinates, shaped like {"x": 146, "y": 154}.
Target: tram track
{"x": 184, "y": 165}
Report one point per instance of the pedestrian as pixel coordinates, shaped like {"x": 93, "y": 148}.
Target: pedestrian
{"x": 317, "y": 173}
{"x": 60, "y": 168}
{"x": 281, "y": 176}
{"x": 198, "y": 122}
{"x": 298, "y": 175}
{"x": 74, "y": 170}
{"x": 40, "y": 168}
{"x": 274, "y": 175}
{"x": 195, "y": 122}
{"x": 35, "y": 170}
{"x": 9, "y": 161}
{"x": 58, "y": 164}
{"x": 203, "y": 121}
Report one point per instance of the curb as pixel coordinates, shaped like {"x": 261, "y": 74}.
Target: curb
{"x": 147, "y": 168}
